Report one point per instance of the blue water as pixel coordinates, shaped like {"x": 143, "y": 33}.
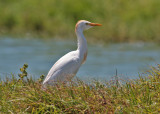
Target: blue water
{"x": 129, "y": 60}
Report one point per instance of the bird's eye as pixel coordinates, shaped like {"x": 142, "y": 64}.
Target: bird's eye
{"x": 87, "y": 23}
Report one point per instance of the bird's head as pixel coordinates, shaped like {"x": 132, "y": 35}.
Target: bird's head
{"x": 84, "y": 25}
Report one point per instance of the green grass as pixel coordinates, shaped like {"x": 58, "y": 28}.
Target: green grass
{"x": 123, "y": 21}
{"x": 135, "y": 96}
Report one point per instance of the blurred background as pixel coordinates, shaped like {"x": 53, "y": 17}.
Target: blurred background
{"x": 39, "y": 32}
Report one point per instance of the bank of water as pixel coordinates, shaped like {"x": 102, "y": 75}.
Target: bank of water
{"x": 129, "y": 60}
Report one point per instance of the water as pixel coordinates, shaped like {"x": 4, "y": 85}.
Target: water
{"x": 130, "y": 60}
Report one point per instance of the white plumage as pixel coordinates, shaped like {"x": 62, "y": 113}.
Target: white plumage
{"x": 68, "y": 65}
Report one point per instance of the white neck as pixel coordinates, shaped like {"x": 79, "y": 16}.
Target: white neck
{"x": 82, "y": 43}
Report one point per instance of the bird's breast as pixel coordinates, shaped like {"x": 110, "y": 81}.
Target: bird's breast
{"x": 84, "y": 57}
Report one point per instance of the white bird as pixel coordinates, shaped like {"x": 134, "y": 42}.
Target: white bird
{"x": 68, "y": 65}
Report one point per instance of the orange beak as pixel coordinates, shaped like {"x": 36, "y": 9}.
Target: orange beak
{"x": 94, "y": 24}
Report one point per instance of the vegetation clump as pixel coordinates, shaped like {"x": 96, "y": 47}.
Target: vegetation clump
{"x": 135, "y": 96}
{"x": 24, "y": 72}
{"x": 122, "y": 21}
